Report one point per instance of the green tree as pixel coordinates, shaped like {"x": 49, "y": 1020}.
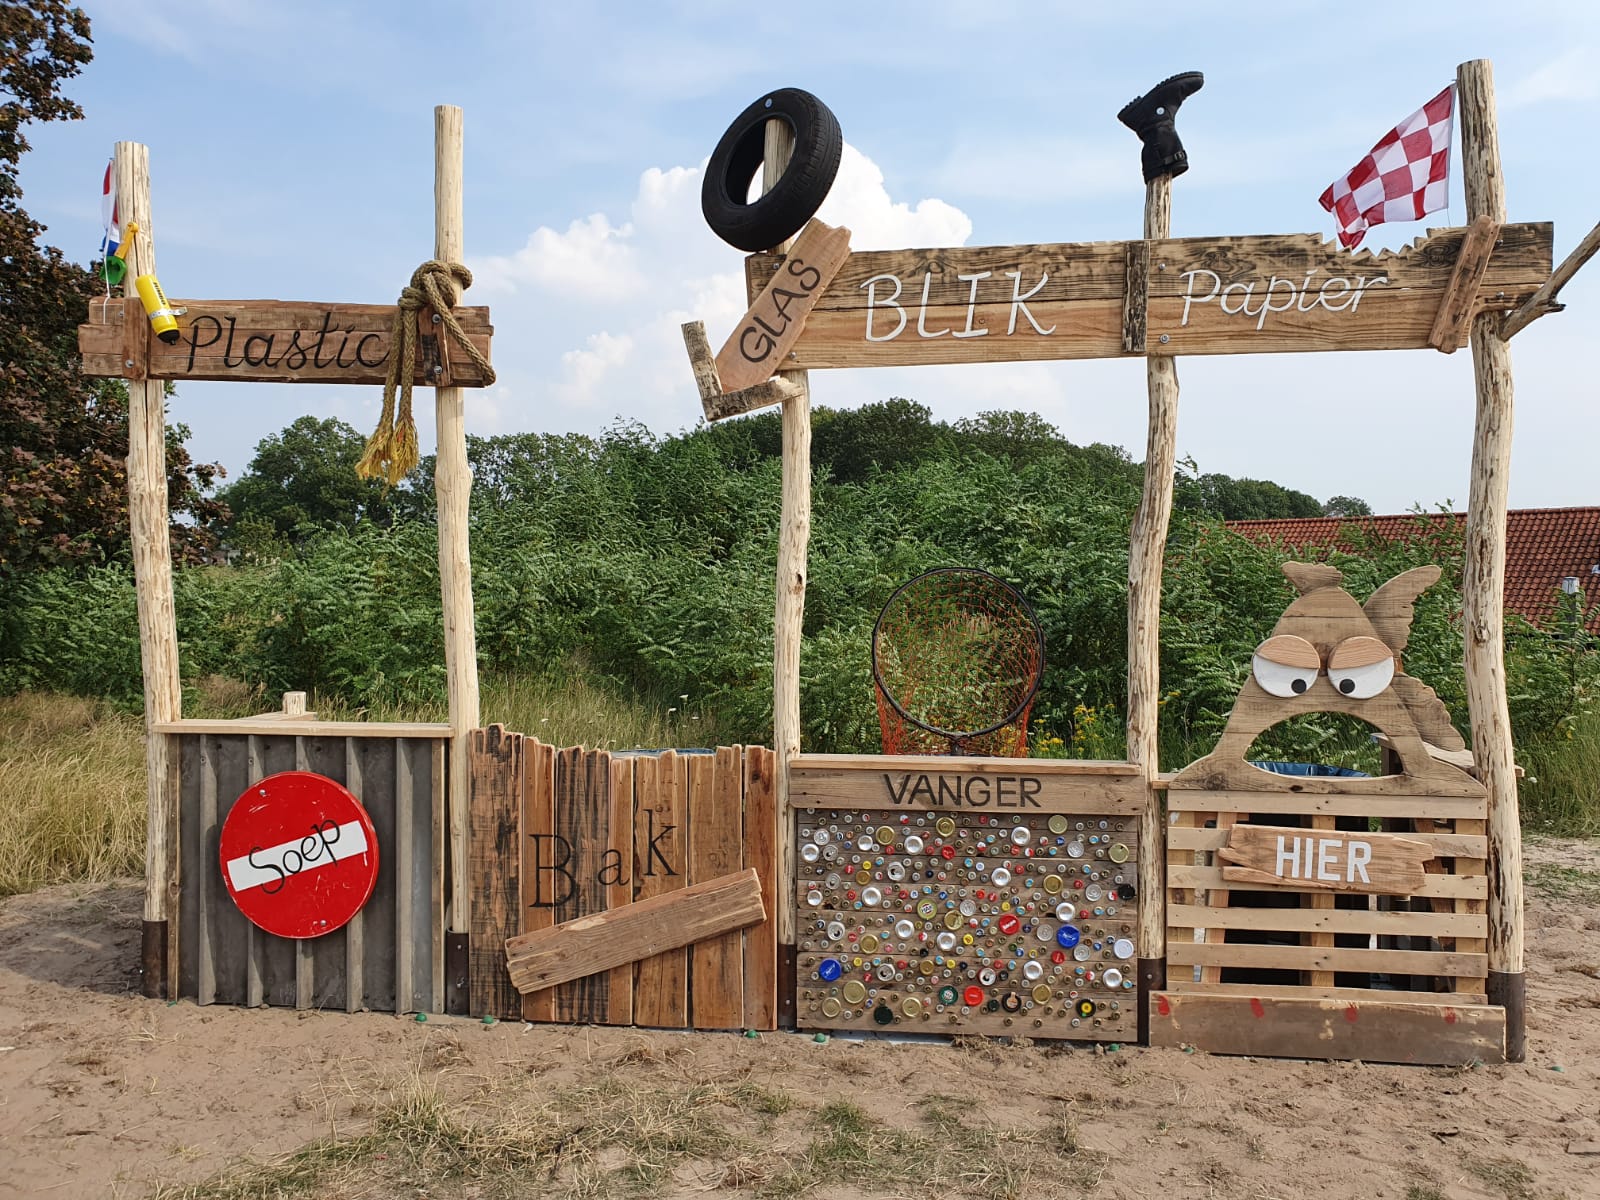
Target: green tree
{"x": 1347, "y": 506}
{"x": 305, "y": 478}
{"x": 63, "y": 438}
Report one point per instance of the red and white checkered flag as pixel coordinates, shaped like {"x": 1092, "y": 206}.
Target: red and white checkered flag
{"x": 1406, "y": 175}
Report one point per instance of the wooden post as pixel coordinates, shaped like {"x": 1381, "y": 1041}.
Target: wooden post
{"x": 1147, "y": 546}
{"x": 149, "y": 522}
{"x": 1483, "y": 583}
{"x": 453, "y": 487}
{"x": 794, "y": 536}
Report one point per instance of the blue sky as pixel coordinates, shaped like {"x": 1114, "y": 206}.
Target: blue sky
{"x": 291, "y": 157}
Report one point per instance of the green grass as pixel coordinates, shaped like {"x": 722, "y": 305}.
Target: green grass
{"x": 1560, "y": 794}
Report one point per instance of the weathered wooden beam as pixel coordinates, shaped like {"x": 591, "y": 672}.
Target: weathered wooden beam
{"x": 1483, "y": 581}
{"x": 1457, "y": 304}
{"x": 761, "y": 341}
{"x": 1544, "y": 300}
{"x": 588, "y": 945}
{"x": 1136, "y": 298}
{"x": 716, "y": 403}
{"x": 1146, "y": 550}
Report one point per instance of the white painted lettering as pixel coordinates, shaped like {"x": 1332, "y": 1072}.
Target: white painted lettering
{"x": 888, "y": 301}
{"x": 922, "y": 312}
{"x": 1017, "y": 298}
{"x": 1267, "y": 306}
{"x": 1362, "y": 284}
{"x": 1360, "y": 856}
{"x": 1189, "y": 297}
{"x": 1305, "y": 291}
{"x": 1287, "y": 858}
{"x": 972, "y": 304}
{"x": 1343, "y": 286}
{"x": 1327, "y": 851}
{"x": 1247, "y": 288}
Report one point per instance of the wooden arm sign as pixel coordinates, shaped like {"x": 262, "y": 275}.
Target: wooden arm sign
{"x": 770, "y": 329}
{"x": 1314, "y": 858}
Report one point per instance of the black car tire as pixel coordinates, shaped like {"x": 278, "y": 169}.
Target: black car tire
{"x": 762, "y": 224}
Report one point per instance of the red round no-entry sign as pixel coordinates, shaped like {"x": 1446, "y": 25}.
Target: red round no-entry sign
{"x": 299, "y": 854}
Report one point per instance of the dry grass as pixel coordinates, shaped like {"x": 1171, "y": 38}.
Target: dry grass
{"x": 623, "y": 1136}
{"x": 72, "y": 778}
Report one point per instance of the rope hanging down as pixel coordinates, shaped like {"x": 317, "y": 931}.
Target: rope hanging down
{"x": 392, "y": 449}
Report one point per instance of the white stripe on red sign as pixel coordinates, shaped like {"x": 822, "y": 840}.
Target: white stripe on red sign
{"x": 270, "y": 868}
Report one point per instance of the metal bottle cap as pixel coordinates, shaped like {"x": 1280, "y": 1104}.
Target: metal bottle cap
{"x": 868, "y": 943}
{"x": 1009, "y": 924}
{"x": 1074, "y": 849}
{"x": 822, "y": 837}
{"x": 831, "y": 1007}
{"x": 865, "y": 842}
{"x": 1085, "y": 1008}
{"x": 1122, "y": 948}
{"x": 1058, "y": 824}
{"x": 947, "y": 941}
{"x": 836, "y": 931}
{"x": 1011, "y": 1002}
{"x": 913, "y": 844}
{"x": 904, "y": 928}
{"x": 911, "y": 1006}
{"x": 1021, "y": 835}
{"x": 882, "y": 1015}
{"x": 811, "y": 852}
{"x": 1000, "y": 877}
{"x": 1112, "y": 977}
{"x": 1032, "y": 969}
{"x": 927, "y": 909}
{"x": 854, "y": 991}
{"x": 1066, "y": 910}
{"x": 814, "y": 898}
{"x": 986, "y": 976}
{"x": 1052, "y": 884}
{"x": 1118, "y": 853}
{"x": 945, "y": 825}
{"x": 1082, "y": 951}
{"x": 952, "y": 920}
{"x": 871, "y": 896}
{"x": 1045, "y": 932}
{"x": 947, "y": 995}
{"x": 927, "y": 967}
{"x": 884, "y": 835}
{"x": 1041, "y": 993}
{"x": 895, "y": 871}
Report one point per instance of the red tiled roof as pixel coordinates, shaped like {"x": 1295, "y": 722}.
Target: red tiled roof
{"x": 1543, "y": 546}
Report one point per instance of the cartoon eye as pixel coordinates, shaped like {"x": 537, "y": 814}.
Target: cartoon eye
{"x": 1285, "y": 665}
{"x": 1360, "y": 667}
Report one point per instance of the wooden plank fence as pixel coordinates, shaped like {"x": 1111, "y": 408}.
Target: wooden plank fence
{"x": 559, "y": 834}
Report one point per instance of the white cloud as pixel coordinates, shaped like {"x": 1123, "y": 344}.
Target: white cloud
{"x": 589, "y": 320}
{"x": 593, "y": 260}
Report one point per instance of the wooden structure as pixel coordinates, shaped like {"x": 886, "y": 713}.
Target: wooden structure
{"x": 943, "y": 894}
{"x": 271, "y": 340}
{"x": 1293, "y": 926}
{"x": 390, "y": 957}
{"x": 590, "y": 867}
{"x": 1156, "y": 298}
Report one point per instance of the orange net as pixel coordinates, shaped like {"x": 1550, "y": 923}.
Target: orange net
{"x": 957, "y": 655}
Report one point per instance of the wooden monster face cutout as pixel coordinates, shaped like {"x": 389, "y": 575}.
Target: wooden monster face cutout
{"x": 1328, "y": 653}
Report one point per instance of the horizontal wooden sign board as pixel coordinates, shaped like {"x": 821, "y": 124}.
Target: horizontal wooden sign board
{"x": 275, "y": 341}
{"x": 1235, "y": 295}
{"x": 988, "y": 785}
{"x": 1305, "y": 858}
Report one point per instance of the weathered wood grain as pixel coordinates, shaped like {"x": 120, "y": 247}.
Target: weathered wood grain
{"x": 1372, "y": 1031}
{"x": 1239, "y": 295}
{"x": 761, "y": 854}
{"x": 716, "y": 843}
{"x": 1323, "y": 859}
{"x": 659, "y": 925}
{"x": 994, "y": 785}
{"x": 271, "y": 341}
{"x": 494, "y": 795}
{"x": 538, "y": 828}
{"x": 661, "y": 981}
{"x": 761, "y": 340}
{"x": 1460, "y": 294}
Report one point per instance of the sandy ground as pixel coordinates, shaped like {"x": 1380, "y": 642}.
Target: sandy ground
{"x": 103, "y": 1093}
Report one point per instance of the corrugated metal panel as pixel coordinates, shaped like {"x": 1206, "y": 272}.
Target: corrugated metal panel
{"x": 390, "y": 957}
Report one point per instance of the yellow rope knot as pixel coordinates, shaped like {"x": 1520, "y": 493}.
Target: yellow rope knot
{"x": 392, "y": 449}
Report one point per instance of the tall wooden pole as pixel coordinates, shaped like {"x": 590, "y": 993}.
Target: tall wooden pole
{"x": 149, "y": 524}
{"x": 1483, "y": 584}
{"x": 794, "y": 535}
{"x": 452, "y": 483}
{"x": 1147, "y": 547}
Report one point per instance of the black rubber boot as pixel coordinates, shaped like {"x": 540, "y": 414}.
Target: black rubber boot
{"x": 1150, "y": 116}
